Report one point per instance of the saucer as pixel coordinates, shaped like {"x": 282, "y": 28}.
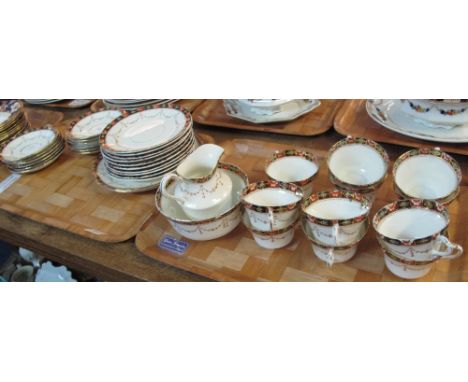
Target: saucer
{"x": 390, "y": 114}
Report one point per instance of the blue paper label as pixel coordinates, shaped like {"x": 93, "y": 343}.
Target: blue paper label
{"x": 173, "y": 245}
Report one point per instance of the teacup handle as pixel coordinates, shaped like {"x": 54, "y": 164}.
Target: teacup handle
{"x": 336, "y": 233}
{"x": 166, "y": 178}
{"x": 271, "y": 218}
{"x": 452, "y": 251}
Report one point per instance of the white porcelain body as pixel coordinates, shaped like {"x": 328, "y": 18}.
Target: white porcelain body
{"x": 407, "y": 271}
{"x": 293, "y": 169}
{"x": 441, "y": 113}
{"x": 336, "y": 209}
{"x": 210, "y": 230}
{"x": 416, "y": 223}
{"x": 331, "y": 255}
{"x": 426, "y": 177}
{"x": 274, "y": 241}
{"x": 272, "y": 198}
{"x": 357, "y": 164}
{"x": 337, "y": 235}
{"x": 272, "y": 221}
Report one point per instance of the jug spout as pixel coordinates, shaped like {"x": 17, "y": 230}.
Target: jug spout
{"x": 201, "y": 164}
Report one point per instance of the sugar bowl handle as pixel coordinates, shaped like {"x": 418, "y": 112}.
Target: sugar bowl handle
{"x": 445, "y": 249}
{"x": 165, "y": 180}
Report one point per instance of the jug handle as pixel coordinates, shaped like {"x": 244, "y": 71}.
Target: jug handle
{"x": 452, "y": 250}
{"x": 166, "y": 178}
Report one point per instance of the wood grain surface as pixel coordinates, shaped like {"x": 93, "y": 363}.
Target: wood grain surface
{"x": 236, "y": 257}
{"x": 352, "y": 119}
{"x": 318, "y": 121}
{"x": 65, "y": 195}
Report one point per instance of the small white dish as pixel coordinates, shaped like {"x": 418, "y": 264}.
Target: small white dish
{"x": 48, "y": 273}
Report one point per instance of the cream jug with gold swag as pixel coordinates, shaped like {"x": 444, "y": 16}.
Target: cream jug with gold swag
{"x": 201, "y": 189}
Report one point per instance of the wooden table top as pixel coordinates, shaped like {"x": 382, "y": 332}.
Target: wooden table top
{"x": 122, "y": 261}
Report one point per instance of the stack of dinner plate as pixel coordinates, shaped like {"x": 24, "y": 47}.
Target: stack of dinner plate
{"x": 130, "y": 104}
{"x": 269, "y": 110}
{"x": 84, "y": 134}
{"x": 139, "y": 148}
{"x": 12, "y": 120}
{"x": 33, "y": 150}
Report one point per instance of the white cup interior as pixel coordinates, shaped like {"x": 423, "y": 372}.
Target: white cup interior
{"x": 411, "y": 223}
{"x": 357, "y": 164}
{"x": 426, "y": 177}
{"x": 336, "y": 209}
{"x": 272, "y": 197}
{"x": 291, "y": 169}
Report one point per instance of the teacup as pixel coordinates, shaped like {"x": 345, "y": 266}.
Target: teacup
{"x": 293, "y": 166}
{"x": 271, "y": 205}
{"x": 271, "y": 239}
{"x": 412, "y": 230}
{"x": 336, "y": 217}
{"x": 332, "y": 254}
{"x": 357, "y": 164}
{"x": 427, "y": 174}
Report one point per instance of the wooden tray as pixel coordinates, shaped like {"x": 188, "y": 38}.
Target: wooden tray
{"x": 189, "y": 104}
{"x": 65, "y": 195}
{"x": 352, "y": 119}
{"x": 236, "y": 257}
{"x": 318, "y": 121}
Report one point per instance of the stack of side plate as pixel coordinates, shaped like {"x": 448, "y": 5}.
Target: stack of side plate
{"x": 33, "y": 150}
{"x": 139, "y": 148}
{"x": 84, "y": 134}
{"x": 132, "y": 104}
{"x": 12, "y": 120}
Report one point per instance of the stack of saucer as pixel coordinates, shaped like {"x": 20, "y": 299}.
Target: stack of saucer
{"x": 12, "y": 120}
{"x": 131, "y": 104}
{"x": 84, "y": 134}
{"x": 139, "y": 148}
{"x": 33, "y": 150}
{"x": 269, "y": 110}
